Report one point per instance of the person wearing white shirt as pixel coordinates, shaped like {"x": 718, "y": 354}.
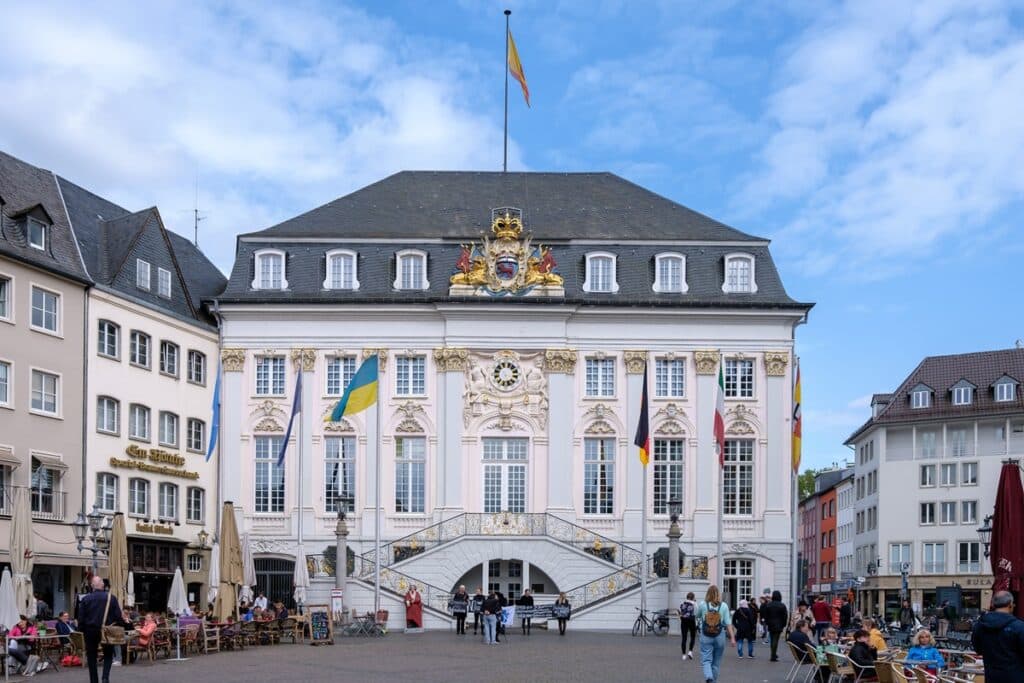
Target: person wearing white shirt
{"x": 261, "y": 601}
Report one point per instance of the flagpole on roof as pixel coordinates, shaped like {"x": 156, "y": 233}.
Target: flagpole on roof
{"x": 504, "y": 161}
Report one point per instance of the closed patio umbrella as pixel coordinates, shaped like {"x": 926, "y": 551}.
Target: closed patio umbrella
{"x": 1007, "y": 553}
{"x": 8, "y": 608}
{"x": 230, "y": 564}
{"x": 129, "y": 590}
{"x": 248, "y": 572}
{"x": 211, "y": 593}
{"x": 21, "y": 553}
{"x": 177, "y": 599}
{"x": 301, "y": 577}
{"x": 119, "y": 560}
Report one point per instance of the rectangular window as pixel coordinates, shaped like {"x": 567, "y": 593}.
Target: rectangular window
{"x": 601, "y": 278}
{"x": 196, "y": 435}
{"x": 739, "y": 573}
{"x": 45, "y": 490}
{"x": 168, "y": 502}
{"x": 138, "y": 498}
{"x": 142, "y": 274}
{"x": 934, "y": 558}
{"x": 970, "y": 557}
{"x": 927, "y": 513}
{"x": 340, "y": 370}
{"x": 947, "y": 474}
{"x": 927, "y": 444}
{"x": 410, "y": 474}
{"x": 339, "y": 473}
{"x": 969, "y": 474}
{"x": 270, "y": 375}
{"x": 1006, "y": 391}
{"x": 195, "y": 505}
{"x": 961, "y": 396}
{"x": 957, "y": 439}
{"x": 168, "y": 429}
{"x": 45, "y": 392}
{"x": 737, "y": 276}
{"x": 899, "y": 555}
{"x": 341, "y": 271}
{"x": 138, "y": 422}
{"x": 196, "y": 367}
{"x": 947, "y": 512}
{"x": 921, "y": 398}
{"x": 108, "y": 415}
{"x": 195, "y": 563}
{"x": 412, "y": 271}
{"x": 108, "y": 339}
{"x": 410, "y": 376}
{"x": 169, "y": 358}
{"x": 670, "y": 274}
{"x": 600, "y": 377}
{"x": 504, "y": 475}
{"x": 269, "y": 490}
{"x": 45, "y": 310}
{"x": 598, "y": 476}
{"x": 5, "y": 298}
{"x": 163, "y": 282}
{"x": 106, "y": 492}
{"x": 739, "y": 378}
{"x": 138, "y": 353}
{"x": 5, "y": 384}
{"x": 271, "y": 269}
{"x": 969, "y": 512}
{"x": 36, "y": 234}
{"x": 738, "y": 477}
{"x": 669, "y": 378}
{"x": 668, "y": 473}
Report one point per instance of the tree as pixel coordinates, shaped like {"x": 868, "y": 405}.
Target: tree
{"x": 805, "y": 483}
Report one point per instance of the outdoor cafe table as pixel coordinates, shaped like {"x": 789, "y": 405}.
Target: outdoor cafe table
{"x": 45, "y": 654}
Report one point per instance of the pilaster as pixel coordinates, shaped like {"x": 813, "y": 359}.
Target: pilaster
{"x": 632, "y": 514}
{"x": 452, "y": 364}
{"x": 707, "y": 473}
{"x": 230, "y": 439}
{"x": 560, "y": 366}
{"x": 304, "y": 361}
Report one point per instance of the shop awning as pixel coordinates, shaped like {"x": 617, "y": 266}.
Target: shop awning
{"x": 51, "y": 461}
{"x": 7, "y": 458}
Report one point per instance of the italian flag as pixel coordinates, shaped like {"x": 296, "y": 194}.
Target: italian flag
{"x": 720, "y": 415}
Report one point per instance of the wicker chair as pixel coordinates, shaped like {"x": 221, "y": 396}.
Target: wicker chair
{"x": 842, "y": 666}
{"x": 190, "y": 639}
{"x": 137, "y": 649}
{"x": 883, "y": 670}
{"x": 286, "y": 629}
{"x": 248, "y": 634}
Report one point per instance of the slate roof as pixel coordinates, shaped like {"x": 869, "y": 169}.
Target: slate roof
{"x": 22, "y": 187}
{"x": 447, "y": 209}
{"x": 941, "y": 373}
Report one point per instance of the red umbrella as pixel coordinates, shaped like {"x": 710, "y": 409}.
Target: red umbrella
{"x": 1007, "y": 544}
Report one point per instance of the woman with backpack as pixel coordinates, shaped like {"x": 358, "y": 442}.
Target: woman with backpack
{"x": 688, "y": 622}
{"x": 714, "y": 621}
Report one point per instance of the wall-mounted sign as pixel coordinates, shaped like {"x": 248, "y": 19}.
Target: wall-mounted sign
{"x": 143, "y": 459}
{"x": 146, "y": 528}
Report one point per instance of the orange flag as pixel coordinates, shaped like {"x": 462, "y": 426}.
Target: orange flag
{"x": 515, "y": 67}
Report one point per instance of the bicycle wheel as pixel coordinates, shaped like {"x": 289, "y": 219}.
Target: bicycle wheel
{"x": 637, "y": 625}
{"x": 660, "y": 627}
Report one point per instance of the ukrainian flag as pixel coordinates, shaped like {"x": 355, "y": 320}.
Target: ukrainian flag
{"x": 361, "y": 392}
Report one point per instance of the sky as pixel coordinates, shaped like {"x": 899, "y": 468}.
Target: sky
{"x": 878, "y": 144}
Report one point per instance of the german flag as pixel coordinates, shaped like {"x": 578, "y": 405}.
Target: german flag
{"x": 643, "y": 429}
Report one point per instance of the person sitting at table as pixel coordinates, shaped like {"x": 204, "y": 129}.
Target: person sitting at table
{"x": 862, "y": 654}
{"x": 282, "y": 611}
{"x": 801, "y": 634}
{"x": 247, "y": 614}
{"x": 875, "y": 638}
{"x": 924, "y": 651}
{"x": 64, "y": 627}
{"x": 22, "y": 641}
{"x": 829, "y": 643}
{"x": 147, "y": 629}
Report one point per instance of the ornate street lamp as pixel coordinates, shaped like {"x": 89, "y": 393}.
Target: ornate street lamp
{"x": 675, "y": 508}
{"x": 203, "y": 537}
{"x": 985, "y": 534}
{"x": 92, "y": 532}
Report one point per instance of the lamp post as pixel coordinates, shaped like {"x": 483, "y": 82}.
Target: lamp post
{"x": 93, "y": 532}
{"x": 985, "y": 534}
{"x": 203, "y": 537}
{"x": 675, "y": 506}
{"x": 341, "y": 553}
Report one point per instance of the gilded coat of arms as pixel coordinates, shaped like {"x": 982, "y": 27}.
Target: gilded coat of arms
{"x": 508, "y": 264}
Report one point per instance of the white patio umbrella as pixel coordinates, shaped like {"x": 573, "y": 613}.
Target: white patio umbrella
{"x": 301, "y": 578}
{"x": 8, "y": 604}
{"x": 21, "y": 553}
{"x": 211, "y": 593}
{"x": 248, "y": 572}
{"x": 177, "y": 600}
{"x": 129, "y": 594}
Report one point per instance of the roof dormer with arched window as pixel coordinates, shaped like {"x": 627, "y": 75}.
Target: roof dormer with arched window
{"x": 670, "y": 273}
{"x": 601, "y": 275}
{"x": 342, "y": 269}
{"x": 411, "y": 270}
{"x": 270, "y": 269}
{"x": 739, "y": 274}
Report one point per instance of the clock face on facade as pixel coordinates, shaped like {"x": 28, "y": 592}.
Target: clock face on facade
{"x": 506, "y": 374}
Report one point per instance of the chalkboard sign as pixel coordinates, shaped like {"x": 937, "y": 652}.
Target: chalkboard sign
{"x": 321, "y": 626}
{"x": 561, "y": 611}
{"x": 458, "y": 607}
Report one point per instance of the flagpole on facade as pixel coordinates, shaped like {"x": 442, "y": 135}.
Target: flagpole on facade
{"x": 643, "y": 549}
{"x": 376, "y": 513}
{"x": 504, "y": 161}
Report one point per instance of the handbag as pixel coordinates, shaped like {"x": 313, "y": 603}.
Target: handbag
{"x": 110, "y": 635}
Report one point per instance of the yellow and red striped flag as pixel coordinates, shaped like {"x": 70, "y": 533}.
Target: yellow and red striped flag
{"x": 798, "y": 421}
{"x": 515, "y": 67}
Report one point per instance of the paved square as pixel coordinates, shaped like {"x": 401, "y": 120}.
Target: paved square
{"x": 446, "y": 658}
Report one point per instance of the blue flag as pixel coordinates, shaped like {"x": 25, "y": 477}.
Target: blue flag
{"x": 296, "y": 408}
{"x": 215, "y": 420}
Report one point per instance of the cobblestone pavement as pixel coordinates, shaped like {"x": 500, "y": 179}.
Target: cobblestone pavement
{"x": 446, "y": 658}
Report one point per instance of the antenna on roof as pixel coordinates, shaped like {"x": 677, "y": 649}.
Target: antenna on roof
{"x": 195, "y": 216}
{"x": 1019, "y": 344}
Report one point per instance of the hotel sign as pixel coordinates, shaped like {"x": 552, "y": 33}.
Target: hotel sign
{"x": 154, "y": 461}
{"x": 145, "y": 528}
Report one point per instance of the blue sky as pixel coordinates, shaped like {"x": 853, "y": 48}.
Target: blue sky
{"x": 878, "y": 144}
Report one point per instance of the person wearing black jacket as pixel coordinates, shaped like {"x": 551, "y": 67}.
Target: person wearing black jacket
{"x": 500, "y": 629}
{"x": 91, "y": 621}
{"x": 525, "y": 600}
{"x": 845, "y": 614}
{"x": 491, "y": 609}
{"x": 745, "y": 623}
{"x": 460, "y": 605}
{"x": 998, "y": 637}
{"x": 863, "y": 655}
{"x": 907, "y": 616}
{"x": 801, "y": 635}
{"x": 478, "y": 609}
{"x": 775, "y": 617}
{"x": 562, "y": 601}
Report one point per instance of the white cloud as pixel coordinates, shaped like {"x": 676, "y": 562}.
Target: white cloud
{"x": 275, "y": 108}
{"x": 897, "y": 130}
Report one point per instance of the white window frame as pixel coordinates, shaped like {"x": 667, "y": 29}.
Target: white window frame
{"x": 105, "y": 329}
{"x": 920, "y": 398}
{"x": 58, "y": 315}
{"x": 133, "y": 349}
{"x": 193, "y": 355}
{"x": 973, "y": 550}
{"x": 190, "y": 493}
{"x": 194, "y": 563}
{"x": 43, "y": 230}
{"x": 198, "y": 446}
{"x": 57, "y": 391}
{"x": 414, "y": 499}
{"x": 257, "y": 282}
{"x": 107, "y": 485}
{"x": 949, "y": 474}
{"x": 104, "y": 405}
{"x": 177, "y": 359}
{"x": 738, "y": 256}
{"x": 163, "y": 283}
{"x": 590, "y": 282}
{"x": 927, "y": 520}
{"x": 6, "y": 298}
{"x": 266, "y": 465}
{"x": 904, "y": 555}
{"x": 266, "y": 385}
{"x": 339, "y": 372}
{"x": 142, "y": 274}
{"x": 504, "y": 464}
{"x": 660, "y": 285}
{"x": 933, "y": 567}
{"x": 742, "y": 471}
{"x": 162, "y": 511}
{"x": 926, "y": 476}
{"x": 133, "y": 422}
{"x": 948, "y": 512}
{"x": 732, "y": 376}
{"x": 163, "y": 432}
{"x": 339, "y": 473}
{"x": 966, "y": 467}
{"x": 1005, "y": 392}
{"x": 135, "y": 486}
{"x": 670, "y": 375}
{"x": 599, "y": 377}
{"x": 401, "y": 258}
{"x": 669, "y": 480}
{"x": 405, "y": 375}
{"x": 599, "y": 475}
{"x": 341, "y": 254}
{"x": 7, "y": 396}
{"x": 962, "y": 396}
{"x": 968, "y": 506}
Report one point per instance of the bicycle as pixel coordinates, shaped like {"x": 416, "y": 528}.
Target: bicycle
{"x": 658, "y": 625}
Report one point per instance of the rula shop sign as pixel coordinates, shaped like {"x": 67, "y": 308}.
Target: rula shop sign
{"x": 154, "y": 461}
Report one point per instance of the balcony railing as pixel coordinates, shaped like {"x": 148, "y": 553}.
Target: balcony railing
{"x": 45, "y": 505}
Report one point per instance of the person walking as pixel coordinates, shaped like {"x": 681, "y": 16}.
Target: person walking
{"x": 688, "y": 623}
{"x": 907, "y": 617}
{"x": 948, "y": 617}
{"x": 845, "y": 615}
{"x": 562, "y": 606}
{"x": 715, "y": 623}
{"x": 802, "y": 613}
{"x": 745, "y": 624}
{"x": 822, "y": 616}
{"x": 96, "y": 610}
{"x": 460, "y": 605}
{"x": 775, "y": 615}
{"x": 491, "y": 609}
{"x": 998, "y": 636}
{"x": 477, "y": 608}
{"x": 526, "y": 600}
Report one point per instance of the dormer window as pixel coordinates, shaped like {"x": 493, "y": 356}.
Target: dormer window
{"x": 601, "y": 276}
{"x": 739, "y": 274}
{"x": 962, "y": 396}
{"x": 163, "y": 282}
{"x": 142, "y": 274}
{"x": 1005, "y": 389}
{"x": 341, "y": 270}
{"x": 670, "y": 273}
{"x": 270, "y": 270}
{"x": 412, "y": 270}
{"x": 921, "y": 397}
{"x": 36, "y": 234}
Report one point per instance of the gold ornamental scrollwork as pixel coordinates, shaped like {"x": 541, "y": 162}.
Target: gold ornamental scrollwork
{"x": 451, "y": 359}
{"x": 562, "y": 361}
{"x": 775, "y": 363}
{"x": 382, "y": 354}
{"x": 635, "y": 361}
{"x": 706, "y": 362}
{"x": 232, "y": 360}
{"x": 304, "y": 359}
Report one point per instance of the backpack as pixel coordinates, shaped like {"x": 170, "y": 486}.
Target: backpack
{"x": 712, "y": 624}
{"x": 686, "y": 610}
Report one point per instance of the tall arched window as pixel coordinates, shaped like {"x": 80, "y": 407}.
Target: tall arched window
{"x": 739, "y": 274}
{"x": 600, "y": 273}
{"x": 411, "y": 270}
{"x": 341, "y": 270}
{"x": 270, "y": 270}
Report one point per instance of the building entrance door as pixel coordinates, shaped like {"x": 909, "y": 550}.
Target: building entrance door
{"x": 274, "y": 577}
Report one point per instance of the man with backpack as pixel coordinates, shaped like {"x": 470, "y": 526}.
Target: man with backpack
{"x": 714, "y": 622}
{"x": 688, "y": 622}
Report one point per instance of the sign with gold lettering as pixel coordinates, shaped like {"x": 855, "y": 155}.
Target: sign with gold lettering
{"x": 159, "y": 462}
{"x": 146, "y": 528}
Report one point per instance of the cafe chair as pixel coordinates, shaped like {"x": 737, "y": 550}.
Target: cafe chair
{"x": 248, "y": 633}
{"x": 287, "y": 629}
{"x": 211, "y": 639}
{"x": 136, "y": 649}
{"x": 883, "y": 670}
{"x": 800, "y": 658}
{"x": 842, "y": 667}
